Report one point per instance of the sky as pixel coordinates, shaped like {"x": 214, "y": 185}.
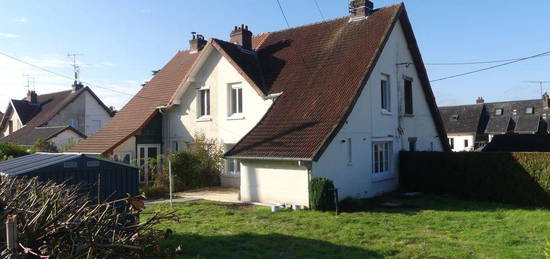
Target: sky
{"x": 122, "y": 41}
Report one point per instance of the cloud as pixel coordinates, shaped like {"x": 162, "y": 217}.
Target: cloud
{"x": 21, "y": 20}
{"x": 8, "y": 35}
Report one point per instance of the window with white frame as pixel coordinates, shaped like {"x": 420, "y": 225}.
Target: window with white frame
{"x": 382, "y": 159}
{"x": 233, "y": 167}
{"x": 204, "y": 101}
{"x": 236, "y": 99}
{"x": 385, "y": 93}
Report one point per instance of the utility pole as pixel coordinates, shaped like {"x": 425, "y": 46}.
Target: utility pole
{"x": 540, "y": 83}
{"x": 76, "y": 67}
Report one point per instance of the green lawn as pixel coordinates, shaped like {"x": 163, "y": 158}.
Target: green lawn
{"x": 428, "y": 226}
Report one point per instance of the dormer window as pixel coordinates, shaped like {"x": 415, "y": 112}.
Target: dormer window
{"x": 499, "y": 112}
{"x": 454, "y": 117}
{"x": 529, "y": 110}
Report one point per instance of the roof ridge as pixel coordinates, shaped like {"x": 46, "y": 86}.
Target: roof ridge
{"x": 323, "y": 21}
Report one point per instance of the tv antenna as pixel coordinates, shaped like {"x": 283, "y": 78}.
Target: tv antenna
{"x": 30, "y": 78}
{"x": 75, "y": 66}
{"x": 540, "y": 83}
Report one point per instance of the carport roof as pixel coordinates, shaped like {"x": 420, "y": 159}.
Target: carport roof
{"x": 28, "y": 163}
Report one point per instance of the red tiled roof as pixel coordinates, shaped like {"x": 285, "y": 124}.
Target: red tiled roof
{"x": 143, "y": 107}
{"x": 321, "y": 70}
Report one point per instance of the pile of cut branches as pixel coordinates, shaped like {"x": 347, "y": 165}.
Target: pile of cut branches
{"x": 57, "y": 220}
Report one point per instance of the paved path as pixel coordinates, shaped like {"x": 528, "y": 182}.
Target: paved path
{"x": 212, "y": 194}
{"x": 173, "y": 200}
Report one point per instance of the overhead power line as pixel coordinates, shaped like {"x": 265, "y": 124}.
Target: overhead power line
{"x": 492, "y": 67}
{"x": 283, "y": 13}
{"x": 70, "y": 78}
{"x": 474, "y": 62}
{"x": 319, "y": 9}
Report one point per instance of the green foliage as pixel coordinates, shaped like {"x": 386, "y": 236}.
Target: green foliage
{"x": 59, "y": 221}
{"x": 426, "y": 226}
{"x": 321, "y": 194}
{"x": 42, "y": 145}
{"x": 547, "y": 249}
{"x": 10, "y": 150}
{"x": 519, "y": 178}
{"x": 199, "y": 165}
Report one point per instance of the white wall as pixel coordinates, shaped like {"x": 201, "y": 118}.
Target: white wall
{"x": 367, "y": 124}
{"x": 181, "y": 122}
{"x": 94, "y": 113}
{"x": 65, "y": 138}
{"x": 16, "y": 123}
{"x": 128, "y": 146}
{"x": 274, "y": 182}
{"x": 459, "y": 142}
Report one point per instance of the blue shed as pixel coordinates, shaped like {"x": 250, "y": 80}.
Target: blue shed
{"x": 102, "y": 179}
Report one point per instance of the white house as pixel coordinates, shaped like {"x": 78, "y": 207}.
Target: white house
{"x": 336, "y": 99}
{"x": 62, "y": 117}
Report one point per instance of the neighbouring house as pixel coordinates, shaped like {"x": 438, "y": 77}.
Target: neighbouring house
{"x": 336, "y": 99}
{"x": 519, "y": 143}
{"x": 62, "y": 117}
{"x": 471, "y": 127}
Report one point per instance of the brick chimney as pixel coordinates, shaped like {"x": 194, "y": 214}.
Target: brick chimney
{"x": 359, "y": 9}
{"x": 197, "y": 42}
{"x": 480, "y": 100}
{"x": 32, "y": 97}
{"x": 77, "y": 86}
{"x": 545, "y": 100}
{"x": 242, "y": 36}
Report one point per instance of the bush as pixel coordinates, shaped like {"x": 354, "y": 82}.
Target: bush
{"x": 518, "y": 178}
{"x": 198, "y": 166}
{"x": 10, "y": 150}
{"x": 57, "y": 220}
{"x": 41, "y": 145}
{"x": 321, "y": 194}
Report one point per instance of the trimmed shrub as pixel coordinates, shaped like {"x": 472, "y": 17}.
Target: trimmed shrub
{"x": 10, "y": 150}
{"x": 200, "y": 165}
{"x": 518, "y": 178}
{"x": 321, "y": 194}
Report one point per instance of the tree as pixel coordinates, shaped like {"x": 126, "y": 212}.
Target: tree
{"x": 42, "y": 145}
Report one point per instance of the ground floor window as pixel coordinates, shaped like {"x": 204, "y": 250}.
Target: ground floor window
{"x": 124, "y": 157}
{"x": 382, "y": 160}
{"x": 233, "y": 167}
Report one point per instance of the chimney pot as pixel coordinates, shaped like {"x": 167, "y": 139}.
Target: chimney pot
{"x": 480, "y": 100}
{"x": 32, "y": 97}
{"x": 77, "y": 86}
{"x": 360, "y": 8}
{"x": 242, "y": 36}
{"x": 197, "y": 42}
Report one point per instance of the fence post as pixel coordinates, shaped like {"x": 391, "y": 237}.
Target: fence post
{"x": 11, "y": 233}
{"x": 170, "y": 179}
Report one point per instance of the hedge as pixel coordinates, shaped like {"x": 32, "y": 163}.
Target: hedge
{"x": 518, "y": 178}
{"x": 321, "y": 194}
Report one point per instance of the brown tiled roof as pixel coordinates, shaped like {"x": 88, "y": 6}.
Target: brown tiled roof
{"x": 44, "y": 133}
{"x": 140, "y": 109}
{"x": 321, "y": 70}
{"x": 25, "y": 110}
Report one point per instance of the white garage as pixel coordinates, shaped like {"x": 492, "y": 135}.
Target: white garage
{"x": 281, "y": 182}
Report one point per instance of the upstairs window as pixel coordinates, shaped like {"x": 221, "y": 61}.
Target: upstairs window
{"x": 529, "y": 110}
{"x": 385, "y": 93}
{"x": 408, "y": 96}
{"x": 204, "y": 102}
{"x": 499, "y": 111}
{"x": 236, "y": 100}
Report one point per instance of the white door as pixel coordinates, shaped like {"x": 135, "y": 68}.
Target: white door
{"x": 145, "y": 154}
